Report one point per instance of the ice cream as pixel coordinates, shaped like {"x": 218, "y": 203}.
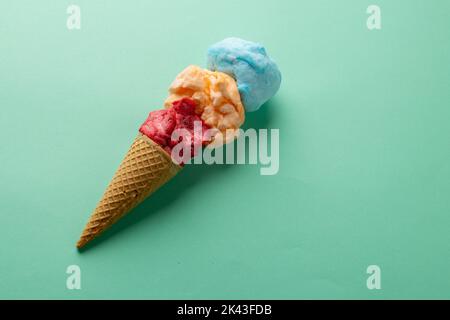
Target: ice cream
{"x": 256, "y": 74}
{"x": 242, "y": 78}
{"x": 216, "y": 95}
{"x": 160, "y": 125}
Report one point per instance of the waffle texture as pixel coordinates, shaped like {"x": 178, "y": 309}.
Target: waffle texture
{"x": 145, "y": 168}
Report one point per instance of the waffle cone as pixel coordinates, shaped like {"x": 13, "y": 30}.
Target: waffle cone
{"x": 145, "y": 168}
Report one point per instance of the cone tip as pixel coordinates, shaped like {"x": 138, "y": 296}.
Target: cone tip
{"x": 81, "y": 243}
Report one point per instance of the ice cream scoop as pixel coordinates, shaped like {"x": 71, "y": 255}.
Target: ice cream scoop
{"x": 257, "y": 75}
{"x": 160, "y": 125}
{"x": 216, "y": 95}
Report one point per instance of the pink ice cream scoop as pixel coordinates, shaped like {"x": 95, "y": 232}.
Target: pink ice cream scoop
{"x": 160, "y": 125}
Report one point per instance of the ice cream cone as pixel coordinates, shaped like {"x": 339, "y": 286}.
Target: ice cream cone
{"x": 213, "y": 98}
{"x": 145, "y": 168}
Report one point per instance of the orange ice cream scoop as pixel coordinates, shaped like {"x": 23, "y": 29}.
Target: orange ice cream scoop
{"x": 217, "y": 98}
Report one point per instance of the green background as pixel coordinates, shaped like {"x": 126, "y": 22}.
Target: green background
{"x": 364, "y": 152}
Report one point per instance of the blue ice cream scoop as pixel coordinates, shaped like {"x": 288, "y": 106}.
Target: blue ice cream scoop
{"x": 257, "y": 76}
